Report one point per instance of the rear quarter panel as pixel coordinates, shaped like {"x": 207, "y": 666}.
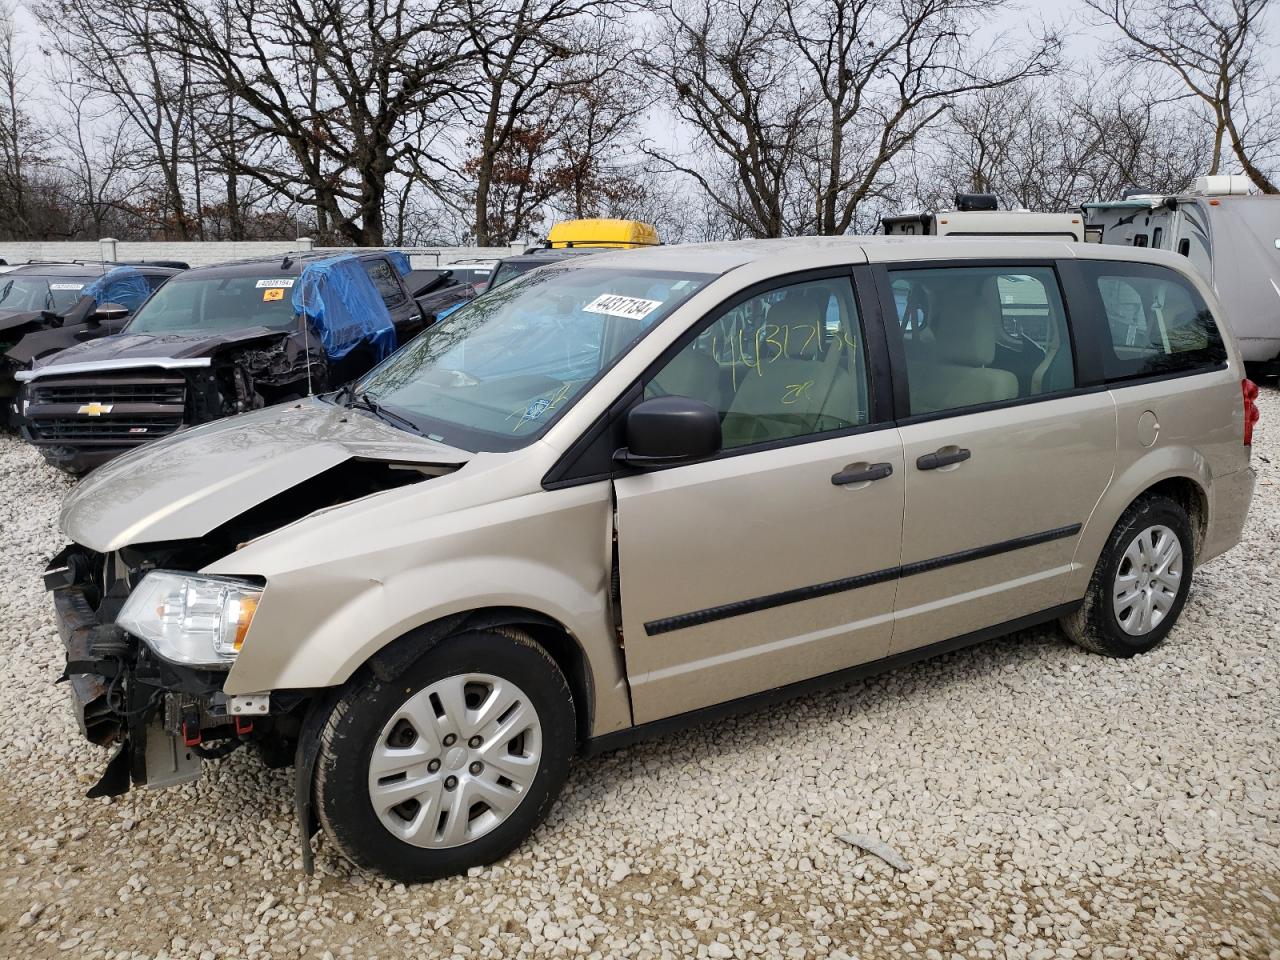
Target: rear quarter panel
{"x": 1200, "y": 419}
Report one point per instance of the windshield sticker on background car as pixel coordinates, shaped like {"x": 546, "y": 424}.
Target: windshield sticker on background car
{"x": 283, "y": 283}
{"x": 274, "y": 293}
{"x": 66, "y": 286}
{"x": 616, "y": 305}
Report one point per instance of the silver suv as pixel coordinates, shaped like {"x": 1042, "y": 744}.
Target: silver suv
{"x": 629, "y": 491}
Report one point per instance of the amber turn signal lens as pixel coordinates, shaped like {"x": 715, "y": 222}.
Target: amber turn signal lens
{"x": 248, "y": 607}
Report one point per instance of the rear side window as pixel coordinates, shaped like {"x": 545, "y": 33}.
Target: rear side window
{"x": 978, "y": 335}
{"x": 1157, "y": 320}
{"x": 385, "y": 280}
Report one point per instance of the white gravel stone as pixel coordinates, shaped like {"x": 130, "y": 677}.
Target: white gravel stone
{"x": 1052, "y": 804}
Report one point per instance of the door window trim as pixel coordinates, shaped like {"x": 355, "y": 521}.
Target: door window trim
{"x": 583, "y": 461}
{"x": 897, "y": 351}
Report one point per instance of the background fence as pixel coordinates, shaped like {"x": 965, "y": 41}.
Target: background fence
{"x": 200, "y": 253}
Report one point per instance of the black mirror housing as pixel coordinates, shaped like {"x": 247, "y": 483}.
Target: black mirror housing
{"x": 666, "y": 431}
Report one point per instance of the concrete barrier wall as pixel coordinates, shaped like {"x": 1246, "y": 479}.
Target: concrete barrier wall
{"x": 200, "y": 253}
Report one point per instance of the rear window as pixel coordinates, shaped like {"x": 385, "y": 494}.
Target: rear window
{"x": 385, "y": 281}
{"x": 1158, "y": 322}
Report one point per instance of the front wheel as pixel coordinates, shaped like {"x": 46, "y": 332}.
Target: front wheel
{"x": 1141, "y": 581}
{"x": 450, "y": 765}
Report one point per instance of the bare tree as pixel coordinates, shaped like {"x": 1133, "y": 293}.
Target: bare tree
{"x": 96, "y": 154}
{"x": 117, "y": 49}
{"x": 727, "y": 70}
{"x": 530, "y": 55}
{"x": 1051, "y": 145}
{"x": 20, "y": 141}
{"x": 1215, "y": 47}
{"x": 884, "y": 74}
{"x": 331, "y": 91}
{"x": 805, "y": 104}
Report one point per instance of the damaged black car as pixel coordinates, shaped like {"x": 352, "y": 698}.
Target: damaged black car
{"x": 218, "y": 341}
{"x": 46, "y": 307}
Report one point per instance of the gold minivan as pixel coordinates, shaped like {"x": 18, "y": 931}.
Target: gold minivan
{"x": 628, "y": 491}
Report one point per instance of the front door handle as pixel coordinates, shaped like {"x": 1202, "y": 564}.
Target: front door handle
{"x": 942, "y": 458}
{"x": 860, "y": 473}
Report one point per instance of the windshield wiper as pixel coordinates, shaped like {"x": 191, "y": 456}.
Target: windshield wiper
{"x": 349, "y": 391}
{"x": 363, "y": 401}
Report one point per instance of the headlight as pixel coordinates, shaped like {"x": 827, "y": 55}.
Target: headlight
{"x": 192, "y": 620}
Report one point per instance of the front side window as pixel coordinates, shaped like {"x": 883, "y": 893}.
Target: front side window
{"x": 495, "y": 373}
{"x": 977, "y": 335}
{"x": 783, "y": 364}
{"x": 207, "y": 305}
{"x": 1158, "y": 322}
{"x": 385, "y": 281}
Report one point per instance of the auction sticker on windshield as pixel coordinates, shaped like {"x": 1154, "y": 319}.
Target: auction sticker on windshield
{"x": 282, "y": 283}
{"x": 616, "y": 305}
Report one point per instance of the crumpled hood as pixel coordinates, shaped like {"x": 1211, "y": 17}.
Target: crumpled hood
{"x": 148, "y": 346}
{"x": 193, "y": 481}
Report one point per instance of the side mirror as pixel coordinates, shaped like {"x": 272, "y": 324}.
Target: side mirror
{"x": 110, "y": 311}
{"x": 666, "y": 431}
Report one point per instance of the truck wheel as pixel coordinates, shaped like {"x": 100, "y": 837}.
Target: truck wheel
{"x": 450, "y": 765}
{"x": 1140, "y": 583}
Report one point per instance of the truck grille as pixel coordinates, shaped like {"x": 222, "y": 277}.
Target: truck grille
{"x": 137, "y": 390}
{"x": 125, "y": 430}
{"x": 105, "y": 410}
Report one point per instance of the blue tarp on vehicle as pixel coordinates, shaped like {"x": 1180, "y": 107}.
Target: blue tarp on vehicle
{"x": 123, "y": 285}
{"x": 400, "y": 260}
{"x": 342, "y": 304}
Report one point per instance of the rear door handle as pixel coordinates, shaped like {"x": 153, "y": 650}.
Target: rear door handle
{"x": 860, "y": 474}
{"x": 942, "y": 458}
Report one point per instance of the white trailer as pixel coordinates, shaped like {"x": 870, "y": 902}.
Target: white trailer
{"x": 1229, "y": 234}
{"x": 976, "y": 215}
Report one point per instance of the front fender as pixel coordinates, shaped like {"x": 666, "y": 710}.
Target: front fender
{"x": 357, "y": 583}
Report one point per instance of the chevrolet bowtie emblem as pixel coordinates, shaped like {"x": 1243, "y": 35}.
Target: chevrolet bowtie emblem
{"x": 95, "y": 409}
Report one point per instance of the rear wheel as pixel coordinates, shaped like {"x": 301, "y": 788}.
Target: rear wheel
{"x": 450, "y": 765}
{"x": 1141, "y": 581}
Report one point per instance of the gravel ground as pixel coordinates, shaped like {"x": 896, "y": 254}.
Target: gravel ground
{"x": 1051, "y": 804}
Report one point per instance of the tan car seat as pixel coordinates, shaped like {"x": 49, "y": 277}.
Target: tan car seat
{"x": 958, "y": 371}
{"x": 691, "y": 373}
{"x": 801, "y": 384}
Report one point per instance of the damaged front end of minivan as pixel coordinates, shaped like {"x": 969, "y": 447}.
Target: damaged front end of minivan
{"x": 151, "y": 638}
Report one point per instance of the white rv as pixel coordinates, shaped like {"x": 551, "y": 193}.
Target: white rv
{"x": 1229, "y": 234}
{"x": 977, "y": 215}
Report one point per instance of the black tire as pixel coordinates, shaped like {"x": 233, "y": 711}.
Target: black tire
{"x": 342, "y": 799}
{"x": 1095, "y": 626}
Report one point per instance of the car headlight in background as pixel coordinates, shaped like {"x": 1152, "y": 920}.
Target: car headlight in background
{"x": 192, "y": 620}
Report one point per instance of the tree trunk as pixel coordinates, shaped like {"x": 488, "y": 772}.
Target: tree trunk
{"x": 1260, "y": 179}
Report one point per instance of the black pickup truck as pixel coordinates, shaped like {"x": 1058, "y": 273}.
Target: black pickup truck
{"x": 216, "y": 341}
{"x": 47, "y": 306}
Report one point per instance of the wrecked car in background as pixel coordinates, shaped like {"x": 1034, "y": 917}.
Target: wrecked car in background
{"x": 48, "y": 306}
{"x": 217, "y": 341}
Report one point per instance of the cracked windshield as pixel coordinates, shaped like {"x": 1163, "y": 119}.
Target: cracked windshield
{"x": 494, "y": 374}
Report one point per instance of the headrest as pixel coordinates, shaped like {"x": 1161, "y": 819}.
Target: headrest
{"x": 966, "y": 322}
{"x": 798, "y": 317}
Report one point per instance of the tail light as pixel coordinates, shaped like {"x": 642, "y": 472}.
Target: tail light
{"x": 1251, "y": 412}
